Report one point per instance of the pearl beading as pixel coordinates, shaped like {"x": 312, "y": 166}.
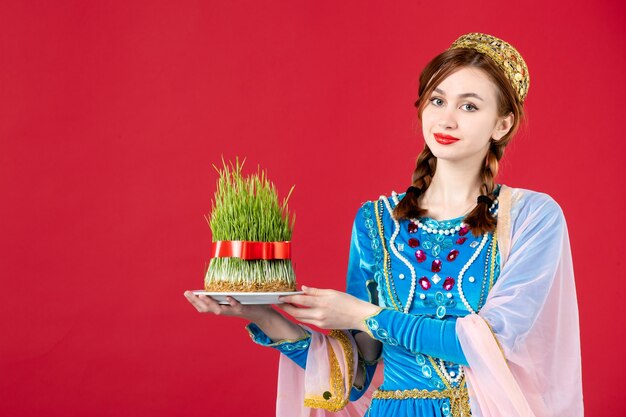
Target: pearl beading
{"x": 448, "y": 375}
{"x": 464, "y": 269}
{"x": 493, "y": 209}
{"x": 405, "y": 261}
{"x": 446, "y": 232}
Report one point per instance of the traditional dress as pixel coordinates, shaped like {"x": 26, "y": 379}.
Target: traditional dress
{"x": 464, "y": 320}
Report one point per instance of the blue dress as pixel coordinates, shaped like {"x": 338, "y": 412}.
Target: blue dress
{"x": 425, "y": 274}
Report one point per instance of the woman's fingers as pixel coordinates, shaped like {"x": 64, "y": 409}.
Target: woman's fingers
{"x": 193, "y": 300}
{"x": 299, "y": 313}
{"x": 302, "y": 300}
{"x": 312, "y": 291}
{"x": 202, "y": 303}
{"x": 235, "y": 306}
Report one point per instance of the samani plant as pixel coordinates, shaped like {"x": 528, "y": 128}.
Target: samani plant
{"x": 247, "y": 208}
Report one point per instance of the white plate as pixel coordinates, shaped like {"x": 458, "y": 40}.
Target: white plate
{"x": 247, "y": 297}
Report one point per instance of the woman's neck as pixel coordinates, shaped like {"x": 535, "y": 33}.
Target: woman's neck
{"x": 452, "y": 191}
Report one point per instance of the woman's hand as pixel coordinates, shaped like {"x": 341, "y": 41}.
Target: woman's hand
{"x": 205, "y": 304}
{"x": 270, "y": 321}
{"x": 328, "y": 309}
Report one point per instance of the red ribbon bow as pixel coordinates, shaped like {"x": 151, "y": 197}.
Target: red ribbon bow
{"x": 250, "y": 250}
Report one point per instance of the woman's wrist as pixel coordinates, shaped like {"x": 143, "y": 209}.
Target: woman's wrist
{"x": 277, "y": 327}
{"x": 364, "y": 311}
{"x": 264, "y": 317}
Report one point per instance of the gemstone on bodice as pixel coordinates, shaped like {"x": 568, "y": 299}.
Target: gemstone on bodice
{"x": 452, "y": 255}
{"x": 436, "y": 266}
{"x": 420, "y": 255}
{"x": 448, "y": 283}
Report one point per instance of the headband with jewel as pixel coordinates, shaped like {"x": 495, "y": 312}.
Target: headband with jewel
{"x": 503, "y": 54}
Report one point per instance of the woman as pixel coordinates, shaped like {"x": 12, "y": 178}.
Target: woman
{"x": 462, "y": 286}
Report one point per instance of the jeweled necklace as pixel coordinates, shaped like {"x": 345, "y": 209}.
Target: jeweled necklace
{"x": 492, "y": 208}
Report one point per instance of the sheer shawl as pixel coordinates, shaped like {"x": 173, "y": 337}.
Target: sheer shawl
{"x": 523, "y": 348}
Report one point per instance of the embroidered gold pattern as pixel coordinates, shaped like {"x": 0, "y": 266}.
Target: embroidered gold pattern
{"x": 367, "y": 328}
{"x": 459, "y": 398}
{"x": 336, "y": 399}
{"x": 505, "y": 56}
{"x": 386, "y": 254}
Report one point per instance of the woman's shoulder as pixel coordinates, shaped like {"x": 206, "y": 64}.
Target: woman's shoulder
{"x": 526, "y": 201}
{"x": 382, "y": 205}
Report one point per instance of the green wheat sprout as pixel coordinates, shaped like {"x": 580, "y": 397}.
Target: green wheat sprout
{"x": 248, "y": 208}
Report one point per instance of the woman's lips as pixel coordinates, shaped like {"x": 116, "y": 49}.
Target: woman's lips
{"x": 445, "y": 139}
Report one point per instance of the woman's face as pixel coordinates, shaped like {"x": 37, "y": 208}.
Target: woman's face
{"x": 462, "y": 117}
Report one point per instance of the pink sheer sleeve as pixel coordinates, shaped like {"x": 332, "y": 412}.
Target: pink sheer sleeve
{"x": 523, "y": 348}
{"x": 326, "y": 384}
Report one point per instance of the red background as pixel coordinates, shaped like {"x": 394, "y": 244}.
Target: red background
{"x": 113, "y": 112}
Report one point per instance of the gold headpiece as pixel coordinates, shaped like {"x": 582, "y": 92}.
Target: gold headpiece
{"x": 503, "y": 54}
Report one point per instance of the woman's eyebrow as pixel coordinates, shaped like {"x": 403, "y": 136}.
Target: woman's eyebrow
{"x": 464, "y": 95}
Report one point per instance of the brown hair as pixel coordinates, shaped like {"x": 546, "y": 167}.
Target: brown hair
{"x": 479, "y": 219}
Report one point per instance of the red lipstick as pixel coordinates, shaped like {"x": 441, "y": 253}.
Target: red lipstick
{"x": 445, "y": 139}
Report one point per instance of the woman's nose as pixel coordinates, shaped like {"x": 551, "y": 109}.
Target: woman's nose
{"x": 447, "y": 120}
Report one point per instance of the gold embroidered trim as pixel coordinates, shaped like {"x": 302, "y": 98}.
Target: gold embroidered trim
{"x": 386, "y": 255}
{"x": 459, "y": 397}
{"x": 441, "y": 376}
{"x": 365, "y": 319}
{"x": 348, "y": 354}
{"x": 335, "y": 399}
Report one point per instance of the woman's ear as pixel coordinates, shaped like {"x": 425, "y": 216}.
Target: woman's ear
{"x": 503, "y": 126}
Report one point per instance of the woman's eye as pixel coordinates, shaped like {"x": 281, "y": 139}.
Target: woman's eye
{"x": 436, "y": 101}
{"x": 469, "y": 107}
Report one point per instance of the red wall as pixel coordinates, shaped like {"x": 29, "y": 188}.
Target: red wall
{"x": 113, "y": 112}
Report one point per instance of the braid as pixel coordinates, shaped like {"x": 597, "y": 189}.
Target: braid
{"x": 425, "y": 168}
{"x": 479, "y": 219}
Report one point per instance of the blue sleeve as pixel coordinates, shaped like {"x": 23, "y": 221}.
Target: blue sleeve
{"x": 418, "y": 334}
{"x": 360, "y": 281}
{"x": 296, "y": 350}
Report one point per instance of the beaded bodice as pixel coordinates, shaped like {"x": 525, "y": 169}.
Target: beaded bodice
{"x": 425, "y": 267}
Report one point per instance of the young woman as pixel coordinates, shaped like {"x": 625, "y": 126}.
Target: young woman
{"x": 461, "y": 286}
